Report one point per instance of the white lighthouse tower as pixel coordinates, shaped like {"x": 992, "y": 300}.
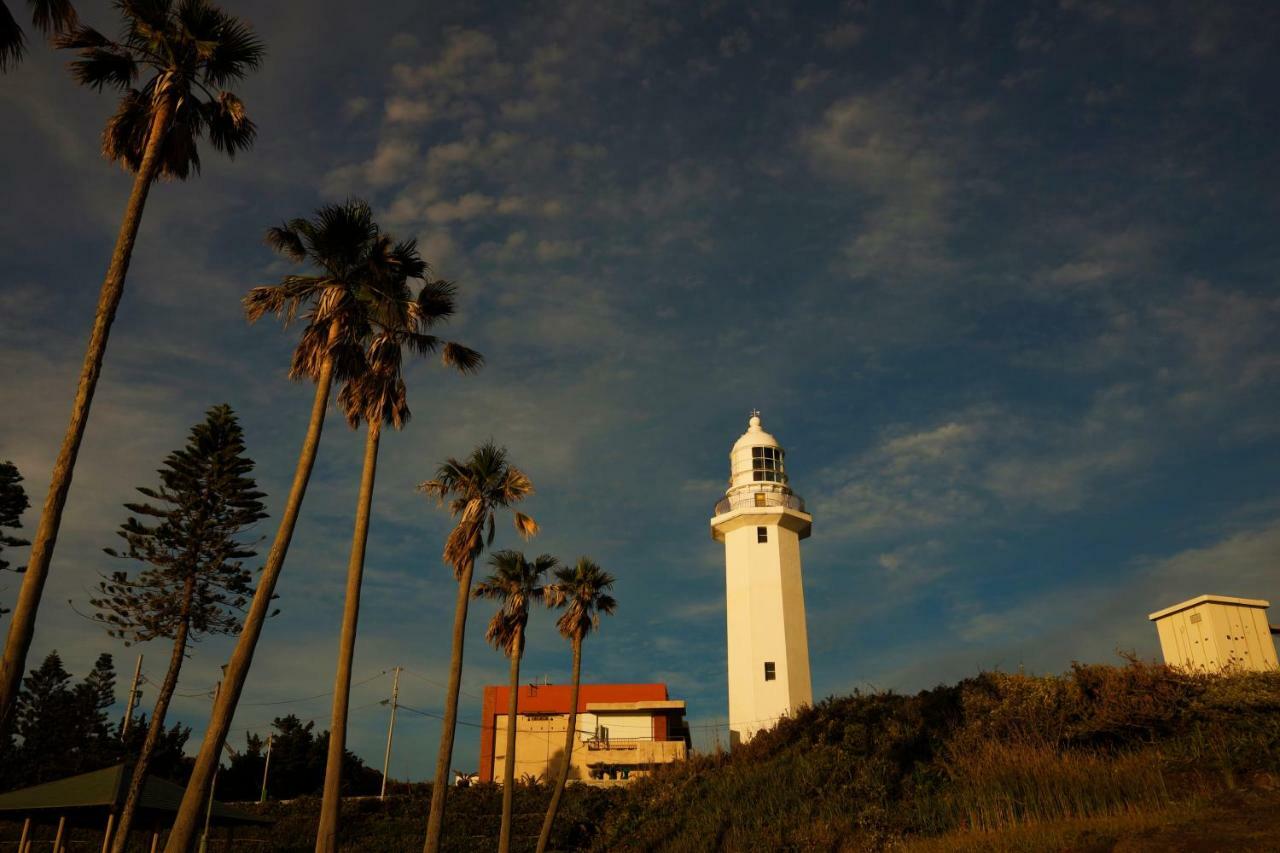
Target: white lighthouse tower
{"x": 761, "y": 522}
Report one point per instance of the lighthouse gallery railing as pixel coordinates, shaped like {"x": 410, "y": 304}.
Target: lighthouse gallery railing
{"x": 747, "y": 500}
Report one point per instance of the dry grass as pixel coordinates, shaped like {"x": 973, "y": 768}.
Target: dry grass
{"x": 1238, "y": 822}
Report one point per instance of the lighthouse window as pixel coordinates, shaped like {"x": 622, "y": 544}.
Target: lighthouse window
{"x": 766, "y": 464}
{"x": 762, "y": 534}
{"x": 770, "y": 673}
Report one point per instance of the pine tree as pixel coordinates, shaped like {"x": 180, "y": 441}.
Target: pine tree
{"x": 13, "y": 503}
{"x": 45, "y": 715}
{"x": 96, "y": 741}
{"x": 195, "y": 583}
{"x": 65, "y": 728}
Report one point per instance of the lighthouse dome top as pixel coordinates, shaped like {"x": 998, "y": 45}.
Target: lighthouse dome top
{"x": 755, "y": 436}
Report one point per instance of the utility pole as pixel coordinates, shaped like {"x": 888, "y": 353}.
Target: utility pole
{"x": 213, "y": 784}
{"x": 133, "y": 697}
{"x": 391, "y": 728}
{"x": 266, "y": 766}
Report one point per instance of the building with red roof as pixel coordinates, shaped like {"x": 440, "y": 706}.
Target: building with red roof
{"x": 624, "y": 730}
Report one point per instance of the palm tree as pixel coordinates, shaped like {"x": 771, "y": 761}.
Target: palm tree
{"x": 477, "y": 488}
{"x": 514, "y": 584}
{"x": 583, "y": 592}
{"x": 191, "y": 50}
{"x": 378, "y": 396}
{"x": 352, "y": 260}
{"x": 49, "y": 16}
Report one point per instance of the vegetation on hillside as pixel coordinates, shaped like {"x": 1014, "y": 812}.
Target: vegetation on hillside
{"x": 990, "y": 753}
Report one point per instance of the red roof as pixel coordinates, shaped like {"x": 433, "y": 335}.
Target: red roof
{"x": 554, "y": 698}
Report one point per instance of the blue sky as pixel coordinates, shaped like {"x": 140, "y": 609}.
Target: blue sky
{"x": 1001, "y": 278}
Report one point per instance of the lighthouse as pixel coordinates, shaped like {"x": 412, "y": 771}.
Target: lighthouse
{"x": 761, "y": 522}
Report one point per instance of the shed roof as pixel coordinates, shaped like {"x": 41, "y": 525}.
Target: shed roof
{"x": 107, "y": 788}
{"x": 1209, "y": 599}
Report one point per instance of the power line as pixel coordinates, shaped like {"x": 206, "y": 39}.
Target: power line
{"x": 442, "y": 685}
{"x": 310, "y": 698}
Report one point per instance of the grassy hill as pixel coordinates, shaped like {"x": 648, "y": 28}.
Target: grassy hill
{"x": 1110, "y": 750}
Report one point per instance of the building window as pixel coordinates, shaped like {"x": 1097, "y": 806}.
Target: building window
{"x": 770, "y": 673}
{"x": 762, "y": 534}
{"x": 760, "y": 499}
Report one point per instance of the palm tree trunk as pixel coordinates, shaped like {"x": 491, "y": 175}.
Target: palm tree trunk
{"x": 544, "y": 837}
{"x": 156, "y": 728}
{"x": 327, "y": 834}
{"x": 435, "y": 820}
{"x": 509, "y": 767}
{"x": 187, "y": 820}
{"x": 23, "y": 620}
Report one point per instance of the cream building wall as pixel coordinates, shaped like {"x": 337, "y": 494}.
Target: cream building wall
{"x": 540, "y": 745}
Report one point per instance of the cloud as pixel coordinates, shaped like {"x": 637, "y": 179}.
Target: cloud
{"x": 735, "y": 43}
{"x": 810, "y": 77}
{"x": 986, "y": 466}
{"x": 1104, "y": 258}
{"x": 408, "y": 110}
{"x": 465, "y": 207}
{"x": 558, "y": 250}
{"x": 390, "y": 161}
{"x": 878, "y": 146}
{"x": 843, "y": 36}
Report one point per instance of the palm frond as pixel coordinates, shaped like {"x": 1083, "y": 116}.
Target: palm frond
{"x": 236, "y": 52}
{"x": 104, "y": 66}
{"x": 435, "y": 302}
{"x": 283, "y": 299}
{"x": 287, "y": 241}
{"x": 82, "y": 37}
{"x": 230, "y": 129}
{"x": 463, "y": 359}
{"x": 53, "y": 16}
{"x": 12, "y": 41}
{"x": 406, "y": 257}
{"x": 516, "y": 485}
{"x": 525, "y": 526}
{"x": 341, "y": 235}
{"x": 179, "y": 154}
{"x": 125, "y": 136}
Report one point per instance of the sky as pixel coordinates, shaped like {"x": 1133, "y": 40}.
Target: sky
{"x": 1001, "y": 277}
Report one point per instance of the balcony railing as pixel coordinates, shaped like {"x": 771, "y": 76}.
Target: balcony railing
{"x": 753, "y": 500}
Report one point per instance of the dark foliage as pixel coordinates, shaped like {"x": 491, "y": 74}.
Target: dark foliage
{"x": 13, "y": 503}
{"x": 298, "y": 756}
{"x": 48, "y": 16}
{"x": 63, "y": 728}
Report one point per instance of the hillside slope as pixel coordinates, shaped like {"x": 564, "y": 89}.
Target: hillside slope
{"x": 993, "y": 754}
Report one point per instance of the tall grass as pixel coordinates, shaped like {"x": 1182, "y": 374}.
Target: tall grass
{"x": 998, "y": 785}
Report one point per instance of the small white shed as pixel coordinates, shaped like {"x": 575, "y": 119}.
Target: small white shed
{"x": 1211, "y": 633}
